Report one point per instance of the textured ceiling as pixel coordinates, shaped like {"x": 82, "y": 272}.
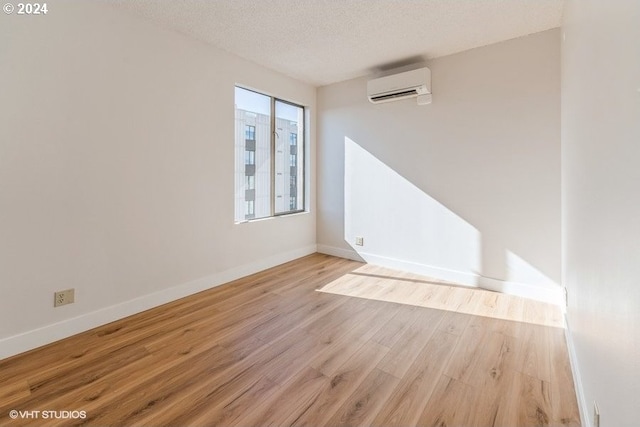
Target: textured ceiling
{"x": 326, "y": 41}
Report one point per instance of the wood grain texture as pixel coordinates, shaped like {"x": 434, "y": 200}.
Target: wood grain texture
{"x": 366, "y": 401}
{"x": 383, "y": 284}
{"x": 373, "y": 347}
{"x": 451, "y": 404}
{"x": 342, "y": 384}
{"x": 414, "y": 390}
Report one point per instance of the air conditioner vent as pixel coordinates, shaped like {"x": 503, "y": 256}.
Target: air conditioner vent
{"x": 403, "y": 94}
{"x": 408, "y": 84}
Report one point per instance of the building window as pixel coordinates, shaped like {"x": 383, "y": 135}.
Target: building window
{"x": 250, "y": 133}
{"x": 250, "y": 209}
{"x": 250, "y": 182}
{"x": 267, "y": 132}
{"x": 249, "y": 157}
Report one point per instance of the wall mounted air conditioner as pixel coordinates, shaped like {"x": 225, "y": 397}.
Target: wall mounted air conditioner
{"x": 410, "y": 84}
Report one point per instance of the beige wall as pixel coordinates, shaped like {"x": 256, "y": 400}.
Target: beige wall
{"x": 467, "y": 188}
{"x": 601, "y": 202}
{"x": 116, "y": 170}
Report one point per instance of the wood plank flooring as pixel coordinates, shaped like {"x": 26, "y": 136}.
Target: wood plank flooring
{"x": 383, "y": 284}
{"x": 374, "y": 348}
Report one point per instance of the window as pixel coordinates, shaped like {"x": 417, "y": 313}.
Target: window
{"x": 250, "y": 133}
{"x": 250, "y": 182}
{"x": 269, "y": 159}
{"x": 249, "y": 157}
{"x": 249, "y": 209}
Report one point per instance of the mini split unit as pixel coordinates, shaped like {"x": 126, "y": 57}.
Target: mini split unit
{"x": 410, "y": 84}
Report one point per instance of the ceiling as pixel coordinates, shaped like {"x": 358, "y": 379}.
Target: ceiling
{"x": 326, "y": 41}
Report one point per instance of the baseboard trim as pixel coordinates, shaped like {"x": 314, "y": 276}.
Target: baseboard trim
{"x": 553, "y": 296}
{"x": 339, "y": 252}
{"x": 544, "y": 294}
{"x": 575, "y": 371}
{"x": 35, "y": 338}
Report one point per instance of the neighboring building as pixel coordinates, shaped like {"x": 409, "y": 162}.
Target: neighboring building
{"x": 253, "y": 166}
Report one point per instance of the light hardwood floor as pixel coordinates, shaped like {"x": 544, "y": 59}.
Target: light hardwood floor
{"x": 383, "y": 284}
{"x": 269, "y": 349}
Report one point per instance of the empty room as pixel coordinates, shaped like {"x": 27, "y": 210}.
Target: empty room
{"x": 320, "y": 213}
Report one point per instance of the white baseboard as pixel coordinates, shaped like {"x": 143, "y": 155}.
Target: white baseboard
{"x": 47, "y": 334}
{"x": 453, "y": 276}
{"x": 539, "y": 293}
{"x": 549, "y": 295}
{"x": 339, "y": 252}
{"x": 577, "y": 378}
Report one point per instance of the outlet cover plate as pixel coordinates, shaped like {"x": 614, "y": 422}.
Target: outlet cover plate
{"x": 64, "y": 297}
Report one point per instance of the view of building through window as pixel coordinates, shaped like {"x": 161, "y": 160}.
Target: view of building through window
{"x": 269, "y": 156}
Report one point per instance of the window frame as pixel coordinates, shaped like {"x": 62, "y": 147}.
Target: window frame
{"x": 301, "y": 147}
{"x": 302, "y": 150}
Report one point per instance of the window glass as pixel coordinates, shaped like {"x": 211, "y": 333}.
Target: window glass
{"x": 269, "y": 161}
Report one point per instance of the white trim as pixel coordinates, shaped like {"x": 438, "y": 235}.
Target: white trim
{"x": 553, "y": 295}
{"x": 47, "y": 334}
{"x": 457, "y": 277}
{"x": 339, "y": 252}
{"x": 539, "y": 293}
{"x": 577, "y": 378}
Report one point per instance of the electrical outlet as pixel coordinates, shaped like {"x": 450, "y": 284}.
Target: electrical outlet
{"x": 64, "y": 297}
{"x": 359, "y": 241}
{"x": 596, "y": 415}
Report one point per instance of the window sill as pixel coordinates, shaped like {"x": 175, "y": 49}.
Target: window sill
{"x": 267, "y": 218}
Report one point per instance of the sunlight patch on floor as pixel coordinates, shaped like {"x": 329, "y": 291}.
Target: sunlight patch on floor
{"x": 383, "y": 284}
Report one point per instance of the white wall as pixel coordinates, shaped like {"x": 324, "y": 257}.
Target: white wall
{"x": 116, "y": 170}
{"x": 467, "y": 188}
{"x": 601, "y": 202}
